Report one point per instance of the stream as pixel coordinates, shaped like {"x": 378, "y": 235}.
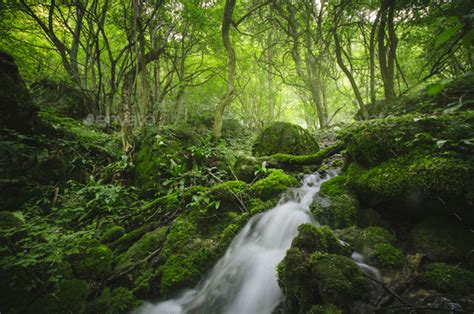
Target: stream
{"x": 244, "y": 280}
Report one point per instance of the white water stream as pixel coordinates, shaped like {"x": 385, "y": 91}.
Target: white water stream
{"x": 244, "y": 280}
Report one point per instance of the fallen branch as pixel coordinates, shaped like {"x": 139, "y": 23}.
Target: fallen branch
{"x": 288, "y": 161}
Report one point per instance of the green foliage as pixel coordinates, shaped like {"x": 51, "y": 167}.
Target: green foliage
{"x": 365, "y": 240}
{"x": 116, "y": 301}
{"x": 230, "y": 195}
{"x": 82, "y": 203}
{"x": 273, "y": 185}
{"x": 69, "y": 296}
{"x": 447, "y": 278}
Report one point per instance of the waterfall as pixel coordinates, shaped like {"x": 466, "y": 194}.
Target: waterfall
{"x": 244, "y": 280}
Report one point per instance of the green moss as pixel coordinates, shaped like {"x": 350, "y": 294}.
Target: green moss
{"x": 93, "y": 261}
{"x": 364, "y": 240}
{"x": 142, "y": 248}
{"x": 185, "y": 270}
{"x": 336, "y": 205}
{"x": 125, "y": 241}
{"x": 442, "y": 239}
{"x": 286, "y": 161}
{"x": 412, "y": 179}
{"x": 374, "y": 141}
{"x": 112, "y": 234}
{"x": 273, "y": 185}
{"x": 281, "y": 137}
{"x": 340, "y": 281}
{"x": 312, "y": 239}
{"x": 182, "y": 232}
{"x": 230, "y": 194}
{"x": 369, "y": 217}
{"x": 385, "y": 255}
{"x": 447, "y": 278}
{"x": 116, "y": 301}
{"x": 69, "y": 296}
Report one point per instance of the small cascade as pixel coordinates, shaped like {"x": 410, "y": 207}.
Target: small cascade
{"x": 244, "y": 280}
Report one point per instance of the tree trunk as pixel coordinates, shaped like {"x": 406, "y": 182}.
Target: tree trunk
{"x": 227, "y": 98}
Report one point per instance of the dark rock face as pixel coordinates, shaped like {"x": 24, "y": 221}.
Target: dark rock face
{"x": 63, "y": 99}
{"x": 282, "y": 137}
{"x": 16, "y": 107}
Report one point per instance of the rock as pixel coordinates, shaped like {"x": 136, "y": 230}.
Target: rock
{"x": 282, "y": 137}
{"x": 92, "y": 262}
{"x": 17, "y": 111}
{"x": 63, "y": 99}
{"x": 317, "y": 273}
{"x": 336, "y": 205}
{"x": 442, "y": 239}
{"x": 448, "y": 278}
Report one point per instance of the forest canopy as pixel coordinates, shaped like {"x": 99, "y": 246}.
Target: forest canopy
{"x": 314, "y": 63}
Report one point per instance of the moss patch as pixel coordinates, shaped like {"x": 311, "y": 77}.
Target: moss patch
{"x": 93, "y": 261}
{"x": 118, "y": 300}
{"x": 273, "y": 185}
{"x": 336, "y": 205}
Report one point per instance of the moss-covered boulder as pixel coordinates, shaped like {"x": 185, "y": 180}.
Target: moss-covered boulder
{"x": 69, "y": 296}
{"x": 282, "y": 137}
{"x": 276, "y": 182}
{"x": 317, "y": 271}
{"x": 336, "y": 205}
{"x": 448, "y": 278}
{"x": 92, "y": 261}
{"x": 126, "y": 240}
{"x": 442, "y": 238}
{"x": 377, "y": 243}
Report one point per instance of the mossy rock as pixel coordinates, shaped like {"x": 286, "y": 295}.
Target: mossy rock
{"x": 385, "y": 255}
{"x": 231, "y": 195}
{"x": 442, "y": 239}
{"x": 275, "y": 183}
{"x": 325, "y": 309}
{"x": 185, "y": 270}
{"x": 318, "y": 239}
{"x": 365, "y": 240}
{"x": 448, "y": 278}
{"x": 305, "y": 273}
{"x": 69, "y": 296}
{"x": 150, "y": 242}
{"x": 340, "y": 281}
{"x": 112, "y": 234}
{"x": 116, "y": 301}
{"x": 281, "y": 137}
{"x": 319, "y": 279}
{"x": 125, "y": 241}
{"x": 372, "y": 142}
{"x": 336, "y": 205}
{"x": 412, "y": 180}
{"x": 93, "y": 260}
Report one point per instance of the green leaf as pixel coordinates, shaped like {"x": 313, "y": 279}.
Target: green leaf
{"x": 468, "y": 38}
{"x": 435, "y": 88}
{"x": 446, "y": 35}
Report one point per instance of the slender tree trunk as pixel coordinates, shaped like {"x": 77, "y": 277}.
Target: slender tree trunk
{"x": 271, "y": 93}
{"x": 227, "y": 98}
{"x": 349, "y": 75}
{"x": 387, "y": 62}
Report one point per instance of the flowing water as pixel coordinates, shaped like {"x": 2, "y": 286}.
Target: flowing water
{"x": 244, "y": 280}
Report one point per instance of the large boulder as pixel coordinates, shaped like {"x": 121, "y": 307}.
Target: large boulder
{"x": 63, "y": 99}
{"x": 282, "y": 137}
{"x": 17, "y": 111}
